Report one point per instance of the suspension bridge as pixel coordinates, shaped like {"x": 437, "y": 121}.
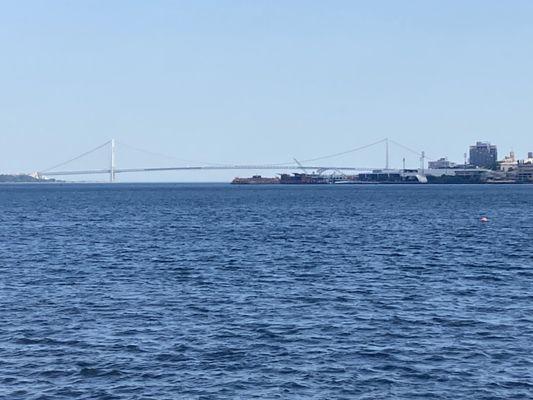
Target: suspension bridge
{"x": 309, "y": 164}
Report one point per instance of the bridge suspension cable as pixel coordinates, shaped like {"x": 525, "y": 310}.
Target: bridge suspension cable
{"x": 418, "y": 153}
{"x": 152, "y": 153}
{"x": 215, "y": 164}
{"x": 77, "y": 157}
{"x": 345, "y": 152}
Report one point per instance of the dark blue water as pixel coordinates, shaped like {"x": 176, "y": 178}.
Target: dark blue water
{"x": 215, "y": 292}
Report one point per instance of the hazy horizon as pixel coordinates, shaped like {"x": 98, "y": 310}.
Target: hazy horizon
{"x": 255, "y": 82}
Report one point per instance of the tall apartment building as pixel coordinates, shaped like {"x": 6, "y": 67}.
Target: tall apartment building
{"x": 484, "y": 155}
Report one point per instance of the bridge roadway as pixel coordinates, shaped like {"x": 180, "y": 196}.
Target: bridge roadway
{"x": 205, "y": 168}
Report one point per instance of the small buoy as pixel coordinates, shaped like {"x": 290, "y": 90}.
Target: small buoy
{"x": 484, "y": 219}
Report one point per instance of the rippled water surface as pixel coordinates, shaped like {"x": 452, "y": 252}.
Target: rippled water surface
{"x": 217, "y": 291}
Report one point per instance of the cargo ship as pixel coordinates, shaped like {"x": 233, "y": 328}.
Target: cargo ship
{"x": 256, "y": 180}
{"x": 386, "y": 176}
{"x": 377, "y": 176}
{"x": 392, "y": 176}
{"x": 296, "y": 179}
{"x": 303, "y": 179}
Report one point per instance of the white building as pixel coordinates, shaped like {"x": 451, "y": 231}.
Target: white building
{"x": 441, "y": 163}
{"x": 509, "y": 162}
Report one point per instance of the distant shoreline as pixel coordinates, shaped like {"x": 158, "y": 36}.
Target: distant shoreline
{"x": 24, "y": 178}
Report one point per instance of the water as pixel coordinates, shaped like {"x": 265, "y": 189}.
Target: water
{"x": 217, "y": 291}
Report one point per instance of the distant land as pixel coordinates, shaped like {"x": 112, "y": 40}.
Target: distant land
{"x": 24, "y": 178}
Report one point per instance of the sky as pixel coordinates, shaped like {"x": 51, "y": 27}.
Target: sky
{"x": 260, "y": 82}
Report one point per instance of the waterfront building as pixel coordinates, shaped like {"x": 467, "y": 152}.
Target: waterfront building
{"x": 441, "y": 163}
{"x": 484, "y": 155}
{"x": 525, "y": 169}
{"x": 509, "y": 163}
{"x": 525, "y": 172}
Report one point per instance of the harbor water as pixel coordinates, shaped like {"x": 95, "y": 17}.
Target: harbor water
{"x": 213, "y": 291}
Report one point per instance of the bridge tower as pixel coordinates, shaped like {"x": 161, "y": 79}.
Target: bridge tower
{"x": 387, "y": 164}
{"x": 113, "y": 165}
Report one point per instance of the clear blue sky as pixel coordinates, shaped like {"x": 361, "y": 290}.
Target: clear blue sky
{"x": 261, "y": 81}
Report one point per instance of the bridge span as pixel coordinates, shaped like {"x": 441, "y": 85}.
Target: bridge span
{"x": 205, "y": 168}
{"x": 112, "y": 170}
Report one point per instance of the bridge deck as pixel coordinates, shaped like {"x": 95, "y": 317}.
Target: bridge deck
{"x": 206, "y": 168}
